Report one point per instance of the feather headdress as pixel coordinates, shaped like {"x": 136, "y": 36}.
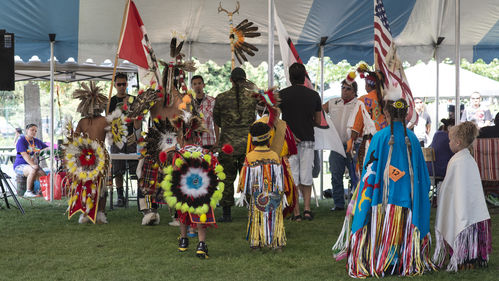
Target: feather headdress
{"x": 93, "y": 102}
{"x": 174, "y": 72}
{"x": 141, "y": 104}
{"x": 159, "y": 138}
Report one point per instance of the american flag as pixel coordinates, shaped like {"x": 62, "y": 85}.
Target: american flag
{"x": 386, "y": 59}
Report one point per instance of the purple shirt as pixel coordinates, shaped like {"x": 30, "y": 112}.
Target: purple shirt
{"x": 443, "y": 153}
{"x": 23, "y": 146}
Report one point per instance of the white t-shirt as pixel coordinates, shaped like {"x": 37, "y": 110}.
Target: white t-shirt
{"x": 340, "y": 113}
{"x": 420, "y": 128}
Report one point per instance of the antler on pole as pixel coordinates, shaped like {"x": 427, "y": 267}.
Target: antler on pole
{"x": 231, "y": 30}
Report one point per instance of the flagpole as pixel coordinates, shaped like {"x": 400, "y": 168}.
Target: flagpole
{"x": 127, "y": 6}
{"x": 458, "y": 61}
{"x": 154, "y": 60}
{"x": 321, "y": 49}
{"x": 271, "y": 23}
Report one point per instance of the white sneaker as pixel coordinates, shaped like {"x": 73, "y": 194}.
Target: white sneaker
{"x": 150, "y": 218}
{"x": 29, "y": 194}
{"x": 101, "y": 218}
{"x": 84, "y": 219}
{"x": 174, "y": 223}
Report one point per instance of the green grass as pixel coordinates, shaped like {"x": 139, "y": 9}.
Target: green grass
{"x": 44, "y": 245}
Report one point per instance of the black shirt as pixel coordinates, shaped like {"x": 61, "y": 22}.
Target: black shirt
{"x": 489, "y": 132}
{"x": 299, "y": 105}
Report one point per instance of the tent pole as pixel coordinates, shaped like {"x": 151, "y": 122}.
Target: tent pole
{"x": 270, "y": 71}
{"x": 321, "y": 50}
{"x": 51, "y": 125}
{"x": 437, "y": 98}
{"x": 458, "y": 60}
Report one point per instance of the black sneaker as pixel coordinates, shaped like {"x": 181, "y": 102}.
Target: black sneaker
{"x": 183, "y": 244}
{"x": 225, "y": 219}
{"x": 120, "y": 203}
{"x": 202, "y": 250}
{"x": 226, "y": 215}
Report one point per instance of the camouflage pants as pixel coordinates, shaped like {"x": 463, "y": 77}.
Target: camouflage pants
{"x": 232, "y": 165}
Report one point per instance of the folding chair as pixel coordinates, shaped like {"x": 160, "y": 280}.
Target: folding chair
{"x": 429, "y": 156}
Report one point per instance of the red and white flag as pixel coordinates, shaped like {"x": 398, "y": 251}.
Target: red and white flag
{"x": 387, "y": 61}
{"x": 135, "y": 47}
{"x": 289, "y": 54}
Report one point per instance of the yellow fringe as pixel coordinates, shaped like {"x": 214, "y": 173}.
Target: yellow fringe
{"x": 256, "y": 228}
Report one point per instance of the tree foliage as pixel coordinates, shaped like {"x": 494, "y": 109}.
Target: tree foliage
{"x": 490, "y": 70}
{"x": 216, "y": 78}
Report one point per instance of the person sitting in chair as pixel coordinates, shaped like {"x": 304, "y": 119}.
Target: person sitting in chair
{"x": 26, "y": 163}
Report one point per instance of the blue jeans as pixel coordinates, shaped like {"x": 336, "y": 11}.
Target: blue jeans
{"x": 337, "y": 164}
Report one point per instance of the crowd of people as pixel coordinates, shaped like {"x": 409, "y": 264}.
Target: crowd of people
{"x": 195, "y": 146}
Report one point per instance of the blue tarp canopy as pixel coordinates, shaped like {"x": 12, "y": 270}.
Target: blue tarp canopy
{"x": 89, "y": 29}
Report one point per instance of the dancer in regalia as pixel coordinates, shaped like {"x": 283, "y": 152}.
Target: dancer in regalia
{"x": 191, "y": 184}
{"x": 86, "y": 158}
{"x": 390, "y": 233}
{"x": 159, "y": 144}
{"x": 282, "y": 141}
{"x": 462, "y": 226}
{"x": 261, "y": 179}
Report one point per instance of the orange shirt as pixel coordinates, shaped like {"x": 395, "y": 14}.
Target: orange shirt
{"x": 373, "y": 106}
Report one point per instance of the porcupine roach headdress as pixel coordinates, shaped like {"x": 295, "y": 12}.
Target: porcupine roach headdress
{"x": 373, "y": 78}
{"x": 271, "y": 101}
{"x": 93, "y": 102}
{"x": 174, "y": 72}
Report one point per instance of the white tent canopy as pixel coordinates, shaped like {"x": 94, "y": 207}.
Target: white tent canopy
{"x": 69, "y": 71}
{"x": 90, "y": 28}
{"x": 422, "y": 80}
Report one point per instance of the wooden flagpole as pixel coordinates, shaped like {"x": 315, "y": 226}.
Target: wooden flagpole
{"x": 125, "y": 14}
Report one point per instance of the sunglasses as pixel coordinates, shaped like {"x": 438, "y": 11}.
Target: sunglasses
{"x": 121, "y": 84}
{"x": 346, "y": 87}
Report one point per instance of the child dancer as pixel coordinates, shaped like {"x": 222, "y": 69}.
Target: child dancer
{"x": 462, "y": 226}
{"x": 261, "y": 178}
{"x": 191, "y": 184}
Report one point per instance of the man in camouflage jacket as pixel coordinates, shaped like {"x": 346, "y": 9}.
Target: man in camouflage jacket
{"x": 234, "y": 112}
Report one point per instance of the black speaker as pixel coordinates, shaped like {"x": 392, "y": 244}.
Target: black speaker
{"x": 6, "y": 61}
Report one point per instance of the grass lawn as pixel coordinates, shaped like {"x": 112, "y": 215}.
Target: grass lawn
{"x": 44, "y": 245}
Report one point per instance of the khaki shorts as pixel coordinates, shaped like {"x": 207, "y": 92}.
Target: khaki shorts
{"x": 302, "y": 163}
